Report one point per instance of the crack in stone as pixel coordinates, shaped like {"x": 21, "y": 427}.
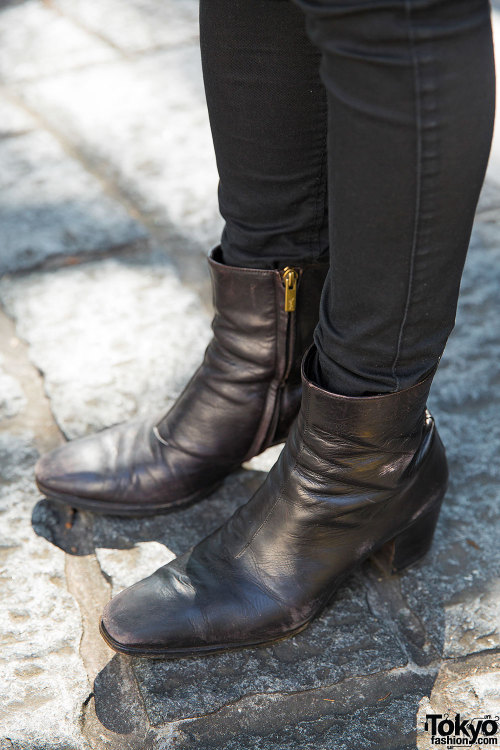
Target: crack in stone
{"x": 101, "y": 711}
{"x": 409, "y": 669}
{"x": 388, "y": 605}
{"x": 133, "y": 248}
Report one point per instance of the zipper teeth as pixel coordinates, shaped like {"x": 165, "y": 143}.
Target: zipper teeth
{"x": 289, "y": 351}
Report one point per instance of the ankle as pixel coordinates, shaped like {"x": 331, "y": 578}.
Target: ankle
{"x": 335, "y": 378}
{"x": 332, "y": 377}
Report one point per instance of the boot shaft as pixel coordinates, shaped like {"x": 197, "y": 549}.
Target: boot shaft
{"x": 266, "y": 317}
{"x": 379, "y": 421}
{"x": 250, "y": 376}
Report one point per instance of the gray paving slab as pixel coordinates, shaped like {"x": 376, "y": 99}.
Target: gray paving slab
{"x": 144, "y": 125}
{"x": 43, "y": 683}
{"x": 113, "y": 338}
{"x": 356, "y": 713}
{"x": 52, "y": 206}
{"x": 15, "y": 121}
{"x": 54, "y": 42}
{"x": 12, "y": 399}
{"x": 380, "y": 712}
{"x": 137, "y": 25}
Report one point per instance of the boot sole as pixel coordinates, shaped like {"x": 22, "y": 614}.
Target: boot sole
{"x": 138, "y": 510}
{"x": 153, "y": 653}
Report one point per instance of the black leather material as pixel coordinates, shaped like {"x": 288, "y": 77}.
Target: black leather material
{"x": 243, "y": 398}
{"x": 356, "y": 474}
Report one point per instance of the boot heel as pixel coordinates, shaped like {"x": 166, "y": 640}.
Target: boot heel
{"x": 410, "y": 545}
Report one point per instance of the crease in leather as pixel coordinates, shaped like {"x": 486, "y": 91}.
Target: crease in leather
{"x": 280, "y": 493}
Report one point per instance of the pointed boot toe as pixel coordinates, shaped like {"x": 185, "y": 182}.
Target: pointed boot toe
{"x": 120, "y": 471}
{"x": 74, "y": 469}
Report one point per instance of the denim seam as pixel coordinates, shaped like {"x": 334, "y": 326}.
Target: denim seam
{"x": 321, "y": 190}
{"x": 418, "y": 197}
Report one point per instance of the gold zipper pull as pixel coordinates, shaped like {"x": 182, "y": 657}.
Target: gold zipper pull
{"x": 290, "y": 277}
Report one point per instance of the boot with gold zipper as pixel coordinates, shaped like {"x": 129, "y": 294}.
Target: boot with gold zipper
{"x": 242, "y": 399}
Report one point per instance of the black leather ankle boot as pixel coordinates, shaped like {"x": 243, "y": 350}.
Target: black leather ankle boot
{"x": 356, "y": 475}
{"x": 242, "y": 399}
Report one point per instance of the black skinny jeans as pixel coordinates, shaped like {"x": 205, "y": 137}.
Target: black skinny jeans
{"x": 362, "y": 129}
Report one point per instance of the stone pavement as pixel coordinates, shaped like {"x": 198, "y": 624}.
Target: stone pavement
{"x": 108, "y": 205}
